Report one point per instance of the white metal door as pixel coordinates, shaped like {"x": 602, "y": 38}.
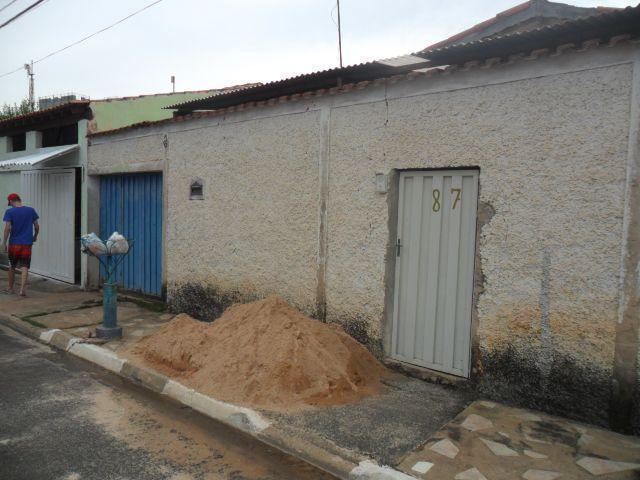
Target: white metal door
{"x": 52, "y": 194}
{"x": 434, "y": 269}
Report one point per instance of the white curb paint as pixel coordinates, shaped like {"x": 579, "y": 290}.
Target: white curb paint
{"x": 243, "y": 418}
{"x": 368, "y": 470}
{"x": 100, "y": 356}
{"x": 178, "y": 392}
{"x": 72, "y": 342}
{"x": 46, "y": 336}
{"x": 240, "y": 417}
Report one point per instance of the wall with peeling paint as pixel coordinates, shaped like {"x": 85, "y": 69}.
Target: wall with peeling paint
{"x": 550, "y": 138}
{"x": 554, "y": 174}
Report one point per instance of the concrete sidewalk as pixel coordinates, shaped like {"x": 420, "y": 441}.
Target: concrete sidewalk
{"x": 44, "y": 296}
{"x": 50, "y": 304}
{"x": 422, "y": 429}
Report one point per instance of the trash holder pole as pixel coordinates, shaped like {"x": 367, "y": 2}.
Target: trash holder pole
{"x": 109, "y": 305}
{"x": 109, "y": 327}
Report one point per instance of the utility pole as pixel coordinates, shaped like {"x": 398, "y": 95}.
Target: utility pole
{"x": 339, "y": 33}
{"x": 173, "y": 83}
{"x": 29, "y": 68}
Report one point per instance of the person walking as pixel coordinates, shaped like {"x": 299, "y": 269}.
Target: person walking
{"x": 21, "y": 230}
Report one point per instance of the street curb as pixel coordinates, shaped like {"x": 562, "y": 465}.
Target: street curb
{"x": 243, "y": 419}
{"x": 61, "y": 340}
{"x": 21, "y": 326}
{"x": 98, "y": 355}
{"x": 145, "y": 377}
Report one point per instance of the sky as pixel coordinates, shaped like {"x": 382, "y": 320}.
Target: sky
{"x": 216, "y": 43}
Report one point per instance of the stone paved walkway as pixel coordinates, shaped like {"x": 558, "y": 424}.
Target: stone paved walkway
{"x": 490, "y": 441}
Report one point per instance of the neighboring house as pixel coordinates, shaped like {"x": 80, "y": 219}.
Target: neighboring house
{"x": 521, "y": 18}
{"x": 43, "y": 156}
{"x": 471, "y": 212}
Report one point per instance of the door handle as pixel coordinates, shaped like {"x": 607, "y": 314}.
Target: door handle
{"x": 398, "y": 247}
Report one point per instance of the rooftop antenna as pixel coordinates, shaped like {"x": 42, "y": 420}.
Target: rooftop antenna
{"x": 173, "y": 83}
{"x": 339, "y": 33}
{"x": 29, "y": 68}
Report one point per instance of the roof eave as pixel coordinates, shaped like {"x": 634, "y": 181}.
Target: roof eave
{"x": 59, "y": 115}
{"x": 604, "y": 26}
{"x": 326, "y": 79}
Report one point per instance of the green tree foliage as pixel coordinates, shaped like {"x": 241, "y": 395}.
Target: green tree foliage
{"x": 9, "y": 111}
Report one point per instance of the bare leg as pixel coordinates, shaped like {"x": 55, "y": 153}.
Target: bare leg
{"x": 23, "y": 281}
{"x": 12, "y": 279}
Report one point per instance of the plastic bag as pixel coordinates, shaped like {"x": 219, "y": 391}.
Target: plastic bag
{"x": 117, "y": 244}
{"x": 92, "y": 244}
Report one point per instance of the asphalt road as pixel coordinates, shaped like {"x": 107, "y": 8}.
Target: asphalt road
{"x": 62, "y": 419}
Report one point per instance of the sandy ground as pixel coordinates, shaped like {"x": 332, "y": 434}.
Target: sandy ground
{"x": 263, "y": 354}
{"x": 63, "y": 419}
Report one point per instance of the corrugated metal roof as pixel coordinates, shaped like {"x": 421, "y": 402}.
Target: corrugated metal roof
{"x": 310, "y": 81}
{"x": 479, "y": 26}
{"x": 42, "y": 155}
{"x": 612, "y": 27}
{"x": 537, "y": 9}
{"x": 603, "y": 25}
{"x": 211, "y": 91}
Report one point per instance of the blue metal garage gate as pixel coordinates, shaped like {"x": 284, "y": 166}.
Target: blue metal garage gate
{"x": 132, "y": 205}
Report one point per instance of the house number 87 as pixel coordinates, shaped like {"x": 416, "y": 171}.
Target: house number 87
{"x": 436, "y": 198}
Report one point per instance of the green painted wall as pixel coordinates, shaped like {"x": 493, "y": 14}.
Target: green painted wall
{"x": 119, "y": 112}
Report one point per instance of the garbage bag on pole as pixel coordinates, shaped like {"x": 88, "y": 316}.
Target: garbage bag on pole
{"x": 92, "y": 244}
{"x": 116, "y": 243}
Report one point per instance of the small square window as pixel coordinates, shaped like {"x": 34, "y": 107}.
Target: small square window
{"x": 196, "y": 191}
{"x": 18, "y": 142}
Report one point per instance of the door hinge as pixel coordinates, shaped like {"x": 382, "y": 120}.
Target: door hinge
{"x": 398, "y": 247}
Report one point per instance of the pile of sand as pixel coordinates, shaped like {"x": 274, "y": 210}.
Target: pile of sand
{"x": 265, "y": 354}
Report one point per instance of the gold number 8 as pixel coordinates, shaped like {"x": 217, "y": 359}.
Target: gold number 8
{"x": 436, "y": 200}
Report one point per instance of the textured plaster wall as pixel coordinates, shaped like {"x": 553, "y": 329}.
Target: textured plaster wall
{"x": 139, "y": 154}
{"x": 551, "y": 169}
{"x": 552, "y": 152}
{"x": 255, "y": 232}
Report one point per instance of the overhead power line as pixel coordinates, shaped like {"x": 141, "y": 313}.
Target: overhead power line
{"x": 8, "y": 5}
{"x": 84, "y": 39}
{"x": 19, "y": 14}
{"x": 98, "y": 32}
{"x": 12, "y": 71}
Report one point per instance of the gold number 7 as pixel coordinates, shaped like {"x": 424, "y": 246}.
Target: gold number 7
{"x": 458, "y": 192}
